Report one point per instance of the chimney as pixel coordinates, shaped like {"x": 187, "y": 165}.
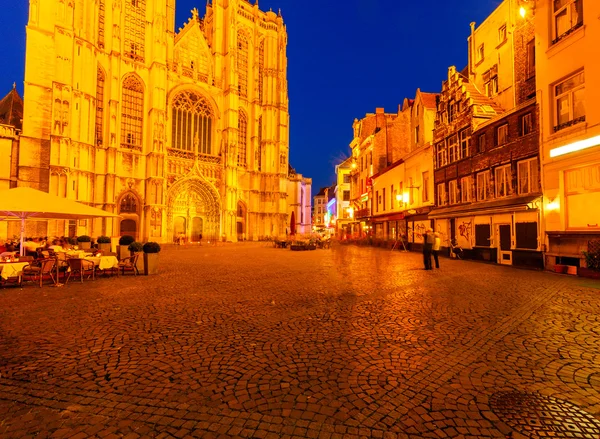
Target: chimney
{"x": 379, "y": 111}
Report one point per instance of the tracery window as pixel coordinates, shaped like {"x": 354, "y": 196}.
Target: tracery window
{"x": 261, "y": 69}
{"x": 242, "y": 64}
{"x": 132, "y": 113}
{"x": 191, "y": 123}
{"x": 101, "y": 17}
{"x": 99, "y": 107}
{"x": 128, "y": 204}
{"x": 242, "y": 138}
{"x": 135, "y": 29}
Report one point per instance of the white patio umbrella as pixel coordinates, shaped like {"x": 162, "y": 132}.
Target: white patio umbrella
{"x": 26, "y": 203}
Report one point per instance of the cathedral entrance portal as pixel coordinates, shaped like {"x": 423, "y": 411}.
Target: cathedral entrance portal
{"x": 194, "y": 203}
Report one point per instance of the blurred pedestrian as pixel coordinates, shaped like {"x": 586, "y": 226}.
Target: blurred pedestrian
{"x": 428, "y": 240}
{"x": 437, "y": 244}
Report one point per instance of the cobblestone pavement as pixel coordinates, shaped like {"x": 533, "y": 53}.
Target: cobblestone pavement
{"x": 244, "y": 340}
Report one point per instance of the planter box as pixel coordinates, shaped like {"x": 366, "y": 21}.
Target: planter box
{"x": 150, "y": 263}
{"x": 123, "y": 252}
{"x": 104, "y": 248}
{"x": 84, "y": 245}
{"x": 586, "y": 272}
{"x": 558, "y": 268}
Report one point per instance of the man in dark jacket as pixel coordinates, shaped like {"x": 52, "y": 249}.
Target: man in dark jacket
{"x": 428, "y": 240}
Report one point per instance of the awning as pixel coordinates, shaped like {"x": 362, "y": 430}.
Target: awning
{"x": 485, "y": 207}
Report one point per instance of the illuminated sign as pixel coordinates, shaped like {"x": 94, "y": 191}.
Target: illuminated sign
{"x": 364, "y": 197}
{"x": 575, "y": 146}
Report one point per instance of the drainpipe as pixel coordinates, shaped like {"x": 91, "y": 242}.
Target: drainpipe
{"x": 472, "y": 48}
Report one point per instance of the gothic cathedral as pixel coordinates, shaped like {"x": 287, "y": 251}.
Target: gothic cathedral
{"x": 177, "y": 131}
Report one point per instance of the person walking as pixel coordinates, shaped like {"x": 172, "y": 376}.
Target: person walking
{"x": 437, "y": 244}
{"x": 428, "y": 240}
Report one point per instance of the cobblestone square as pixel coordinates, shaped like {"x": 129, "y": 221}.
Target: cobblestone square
{"x": 245, "y": 340}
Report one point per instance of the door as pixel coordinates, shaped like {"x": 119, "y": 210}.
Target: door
{"x": 504, "y": 238}
{"x": 128, "y": 227}
{"x": 197, "y": 226}
{"x": 179, "y": 228}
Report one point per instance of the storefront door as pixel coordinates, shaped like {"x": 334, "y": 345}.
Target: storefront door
{"x": 504, "y": 238}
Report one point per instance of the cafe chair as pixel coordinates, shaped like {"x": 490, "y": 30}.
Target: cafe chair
{"x": 129, "y": 264}
{"x": 81, "y": 268}
{"x": 45, "y": 270}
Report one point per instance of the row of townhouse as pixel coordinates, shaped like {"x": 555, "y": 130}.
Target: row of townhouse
{"x": 505, "y": 160}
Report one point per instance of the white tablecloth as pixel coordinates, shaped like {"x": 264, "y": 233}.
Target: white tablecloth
{"x": 11, "y": 269}
{"x": 104, "y": 262}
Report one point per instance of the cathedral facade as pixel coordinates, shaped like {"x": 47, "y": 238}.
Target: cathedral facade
{"x": 177, "y": 131}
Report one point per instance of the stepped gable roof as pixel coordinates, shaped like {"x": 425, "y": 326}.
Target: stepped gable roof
{"x": 11, "y": 109}
{"x": 429, "y": 100}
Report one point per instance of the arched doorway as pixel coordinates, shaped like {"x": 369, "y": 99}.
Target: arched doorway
{"x": 129, "y": 211}
{"x": 179, "y": 228}
{"x": 196, "y": 202}
{"x": 128, "y": 227}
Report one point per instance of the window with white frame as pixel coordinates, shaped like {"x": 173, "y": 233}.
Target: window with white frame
{"x": 441, "y": 154}
{"x": 483, "y": 185}
{"x": 528, "y": 175}
{"x": 425, "y": 183}
{"x": 526, "y": 124}
{"x": 480, "y": 53}
{"x": 502, "y": 180}
{"x": 502, "y": 134}
{"x": 568, "y": 16}
{"x": 569, "y": 98}
{"x": 465, "y": 143}
{"x": 441, "y": 194}
{"x": 490, "y": 81}
{"x": 453, "y": 192}
{"x": 466, "y": 189}
{"x": 452, "y": 148}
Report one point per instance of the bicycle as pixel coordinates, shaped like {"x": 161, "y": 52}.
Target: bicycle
{"x": 456, "y": 249}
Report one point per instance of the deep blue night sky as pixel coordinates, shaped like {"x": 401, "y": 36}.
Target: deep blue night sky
{"x": 345, "y": 58}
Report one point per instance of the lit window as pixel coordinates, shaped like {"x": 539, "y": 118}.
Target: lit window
{"x": 528, "y": 176}
{"x": 568, "y": 16}
{"x": 483, "y": 185}
{"x": 192, "y": 123}
{"x": 503, "y": 181}
{"x": 502, "y": 134}
{"x": 261, "y": 68}
{"x": 101, "y": 17}
{"x": 569, "y": 98}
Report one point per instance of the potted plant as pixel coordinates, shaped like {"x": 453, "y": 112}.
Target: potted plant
{"x": 592, "y": 261}
{"x": 84, "y": 242}
{"x": 103, "y": 244}
{"x": 136, "y": 248}
{"x": 123, "y": 250}
{"x": 151, "y": 250}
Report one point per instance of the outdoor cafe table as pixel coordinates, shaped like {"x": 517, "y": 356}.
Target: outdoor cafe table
{"x": 11, "y": 269}
{"x": 104, "y": 262}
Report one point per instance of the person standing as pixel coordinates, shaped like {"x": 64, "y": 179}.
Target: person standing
{"x": 437, "y": 244}
{"x": 427, "y": 248}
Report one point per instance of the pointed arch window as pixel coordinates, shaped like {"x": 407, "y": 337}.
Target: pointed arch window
{"x": 132, "y": 113}
{"x": 192, "y": 120}
{"x": 242, "y": 138}
{"x": 261, "y": 69}
{"x": 101, "y": 18}
{"x": 99, "y": 107}
{"x": 135, "y": 29}
{"x": 242, "y": 64}
{"x": 128, "y": 204}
